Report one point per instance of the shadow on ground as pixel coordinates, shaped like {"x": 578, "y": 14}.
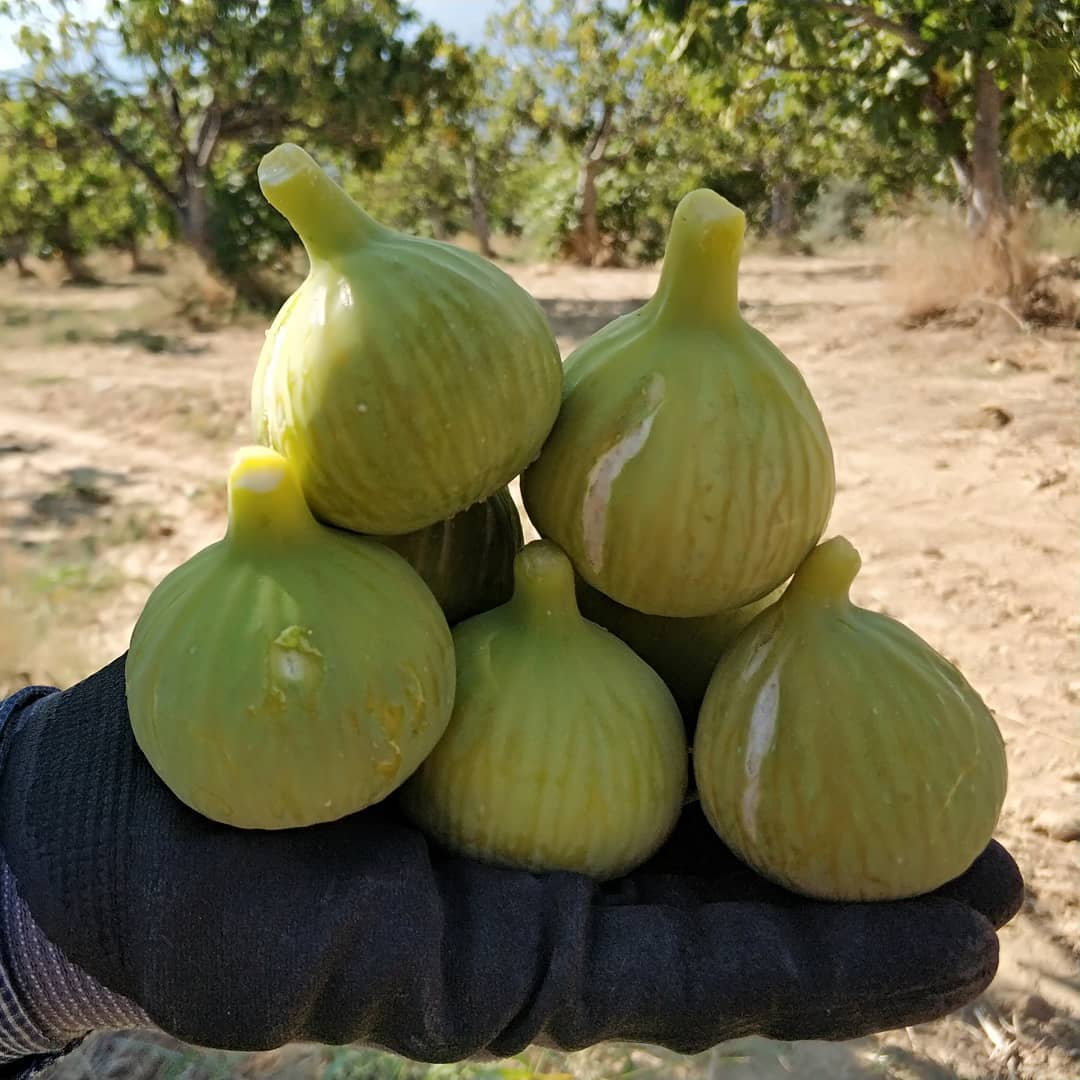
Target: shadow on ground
{"x": 861, "y": 272}
{"x": 60, "y": 325}
{"x": 578, "y": 319}
{"x": 74, "y": 493}
{"x": 12, "y": 444}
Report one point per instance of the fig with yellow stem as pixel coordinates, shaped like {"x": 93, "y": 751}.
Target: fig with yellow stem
{"x": 838, "y": 754}
{"x": 405, "y": 379}
{"x": 689, "y": 471}
{"x": 289, "y": 673}
{"x": 565, "y": 751}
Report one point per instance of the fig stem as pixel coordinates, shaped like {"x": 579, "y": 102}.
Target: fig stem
{"x": 324, "y": 217}
{"x": 699, "y": 280}
{"x": 826, "y": 574}
{"x": 266, "y": 505}
{"x": 544, "y": 582}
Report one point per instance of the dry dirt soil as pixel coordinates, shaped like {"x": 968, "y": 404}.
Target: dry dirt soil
{"x": 956, "y": 450}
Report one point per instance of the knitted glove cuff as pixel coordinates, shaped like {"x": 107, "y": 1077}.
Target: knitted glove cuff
{"x": 46, "y": 1002}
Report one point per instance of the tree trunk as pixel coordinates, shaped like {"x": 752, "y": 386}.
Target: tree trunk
{"x": 782, "y": 212}
{"x": 194, "y": 209}
{"x": 989, "y": 215}
{"x": 977, "y": 167}
{"x": 988, "y": 209}
{"x": 478, "y": 202}
{"x": 24, "y": 270}
{"x": 60, "y": 237}
{"x": 962, "y": 171}
{"x": 16, "y": 250}
{"x": 440, "y": 228}
{"x": 138, "y": 264}
{"x": 586, "y": 240}
{"x": 77, "y": 271}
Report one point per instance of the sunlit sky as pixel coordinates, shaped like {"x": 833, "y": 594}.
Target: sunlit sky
{"x": 464, "y": 18}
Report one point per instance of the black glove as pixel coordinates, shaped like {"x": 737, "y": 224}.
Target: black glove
{"x": 362, "y": 931}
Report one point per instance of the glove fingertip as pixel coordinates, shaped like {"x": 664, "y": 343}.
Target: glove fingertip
{"x": 993, "y": 885}
{"x": 909, "y": 963}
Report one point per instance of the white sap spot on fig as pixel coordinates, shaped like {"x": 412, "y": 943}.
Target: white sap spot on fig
{"x": 761, "y": 735}
{"x": 292, "y": 665}
{"x": 294, "y": 658}
{"x": 260, "y": 480}
{"x": 361, "y": 407}
{"x": 608, "y": 468}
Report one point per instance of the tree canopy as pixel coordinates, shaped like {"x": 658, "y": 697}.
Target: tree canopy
{"x": 216, "y": 83}
{"x": 976, "y": 87}
{"x": 579, "y": 123}
{"x": 600, "y": 94}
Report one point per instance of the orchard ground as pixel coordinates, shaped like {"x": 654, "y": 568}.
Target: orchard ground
{"x": 956, "y": 447}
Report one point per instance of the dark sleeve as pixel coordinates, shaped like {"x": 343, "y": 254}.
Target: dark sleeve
{"x": 361, "y": 931}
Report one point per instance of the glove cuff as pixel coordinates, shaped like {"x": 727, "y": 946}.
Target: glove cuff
{"x": 11, "y": 707}
{"x": 46, "y": 1002}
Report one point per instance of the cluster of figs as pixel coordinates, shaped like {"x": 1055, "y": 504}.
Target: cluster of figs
{"x": 373, "y": 625}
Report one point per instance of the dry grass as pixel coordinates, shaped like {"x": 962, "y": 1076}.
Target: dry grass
{"x": 199, "y": 299}
{"x": 940, "y": 271}
{"x": 1055, "y": 230}
{"x": 54, "y": 604}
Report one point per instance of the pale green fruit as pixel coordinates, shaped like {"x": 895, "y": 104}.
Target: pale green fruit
{"x": 689, "y": 471}
{"x": 840, "y": 755}
{"x": 288, "y": 674}
{"x": 406, "y": 379}
{"x": 683, "y": 652}
{"x": 565, "y": 750}
{"x": 468, "y": 561}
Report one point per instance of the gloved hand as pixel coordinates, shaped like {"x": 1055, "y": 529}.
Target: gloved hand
{"x": 362, "y": 931}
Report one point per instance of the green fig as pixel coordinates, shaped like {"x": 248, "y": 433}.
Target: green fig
{"x": 565, "y": 751}
{"x": 683, "y": 652}
{"x": 405, "y": 379}
{"x": 838, "y": 754}
{"x": 288, "y": 674}
{"x": 468, "y": 561}
{"x": 689, "y": 471}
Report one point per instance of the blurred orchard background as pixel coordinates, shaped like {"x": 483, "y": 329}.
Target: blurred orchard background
{"x": 911, "y": 177}
{"x": 546, "y": 129}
